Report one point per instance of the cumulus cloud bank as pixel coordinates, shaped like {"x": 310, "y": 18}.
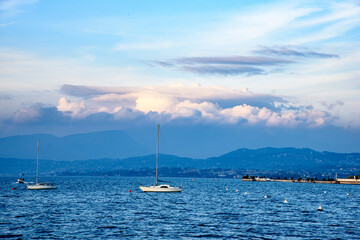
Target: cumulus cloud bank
{"x": 218, "y": 105}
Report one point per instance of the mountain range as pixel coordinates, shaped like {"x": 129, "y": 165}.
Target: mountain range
{"x": 196, "y": 141}
{"x": 106, "y": 144}
{"x": 133, "y": 150}
{"x": 265, "y": 159}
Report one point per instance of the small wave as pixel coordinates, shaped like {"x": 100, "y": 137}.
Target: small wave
{"x": 15, "y": 228}
{"x": 207, "y": 236}
{"x": 334, "y": 225}
{"x": 106, "y": 227}
{"x": 10, "y": 236}
{"x": 203, "y": 225}
{"x": 228, "y": 214}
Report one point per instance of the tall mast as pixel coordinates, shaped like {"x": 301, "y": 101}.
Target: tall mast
{"x": 37, "y": 162}
{"x": 157, "y": 155}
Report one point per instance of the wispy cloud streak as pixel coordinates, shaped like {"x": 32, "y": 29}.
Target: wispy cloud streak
{"x": 223, "y": 69}
{"x": 225, "y": 65}
{"x": 10, "y": 8}
{"x": 234, "y": 60}
{"x": 295, "y": 52}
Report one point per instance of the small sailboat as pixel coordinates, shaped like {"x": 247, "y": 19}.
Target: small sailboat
{"x": 162, "y": 187}
{"x": 21, "y": 179}
{"x": 37, "y": 185}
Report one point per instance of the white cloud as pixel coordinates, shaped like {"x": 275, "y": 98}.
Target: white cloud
{"x": 153, "y": 102}
{"x": 77, "y": 110}
{"x": 10, "y": 8}
{"x": 194, "y": 102}
{"x": 234, "y": 33}
{"x": 26, "y": 114}
{"x": 281, "y": 23}
{"x": 331, "y": 31}
{"x": 177, "y": 90}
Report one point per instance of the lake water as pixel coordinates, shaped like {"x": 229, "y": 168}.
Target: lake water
{"x": 103, "y": 208}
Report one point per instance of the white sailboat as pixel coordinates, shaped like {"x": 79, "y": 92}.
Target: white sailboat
{"x": 162, "y": 187}
{"x": 37, "y": 185}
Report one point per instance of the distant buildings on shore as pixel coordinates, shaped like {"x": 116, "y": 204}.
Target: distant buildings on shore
{"x": 353, "y": 180}
{"x": 349, "y": 180}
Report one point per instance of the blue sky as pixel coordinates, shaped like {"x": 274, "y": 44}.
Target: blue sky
{"x": 280, "y": 65}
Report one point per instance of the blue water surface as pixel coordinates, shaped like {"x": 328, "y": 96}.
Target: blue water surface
{"x": 103, "y": 208}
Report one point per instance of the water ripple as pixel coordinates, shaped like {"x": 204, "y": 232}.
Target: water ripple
{"x": 103, "y": 208}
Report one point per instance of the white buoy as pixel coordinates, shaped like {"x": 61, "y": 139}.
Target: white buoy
{"x": 245, "y": 193}
{"x": 265, "y": 196}
{"x": 227, "y": 189}
{"x": 347, "y": 194}
{"x": 285, "y": 201}
{"x": 320, "y": 208}
{"x": 237, "y": 190}
{"x": 324, "y": 191}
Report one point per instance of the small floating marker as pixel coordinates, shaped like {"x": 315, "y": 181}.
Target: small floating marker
{"x": 227, "y": 189}
{"x": 324, "y": 191}
{"x": 320, "y": 208}
{"x": 245, "y": 193}
{"x": 265, "y": 196}
{"x": 130, "y": 190}
{"x": 13, "y": 189}
{"x": 236, "y": 190}
{"x": 347, "y": 194}
{"x": 285, "y": 201}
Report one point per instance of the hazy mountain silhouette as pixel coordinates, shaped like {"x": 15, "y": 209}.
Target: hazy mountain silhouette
{"x": 107, "y": 144}
{"x": 198, "y": 141}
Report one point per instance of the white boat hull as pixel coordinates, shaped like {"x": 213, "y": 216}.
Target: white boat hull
{"x": 21, "y": 181}
{"x": 41, "y": 187}
{"x": 161, "y": 188}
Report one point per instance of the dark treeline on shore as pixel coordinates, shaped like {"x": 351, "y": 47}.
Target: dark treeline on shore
{"x": 212, "y": 173}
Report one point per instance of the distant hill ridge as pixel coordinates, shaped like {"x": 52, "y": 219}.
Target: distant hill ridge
{"x": 264, "y": 159}
{"x": 286, "y": 159}
{"x": 180, "y": 140}
{"x": 105, "y": 144}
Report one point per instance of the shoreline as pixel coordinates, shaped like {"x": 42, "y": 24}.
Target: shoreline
{"x": 337, "y": 181}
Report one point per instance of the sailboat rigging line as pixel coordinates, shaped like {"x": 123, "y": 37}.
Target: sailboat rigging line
{"x": 37, "y": 163}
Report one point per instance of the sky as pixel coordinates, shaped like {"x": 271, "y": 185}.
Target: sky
{"x": 291, "y": 67}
